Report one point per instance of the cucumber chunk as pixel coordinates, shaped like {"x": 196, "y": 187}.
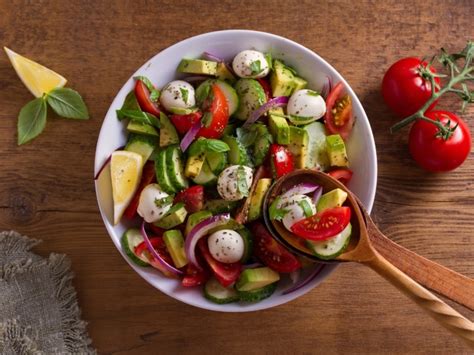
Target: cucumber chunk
{"x": 129, "y": 241}
{"x": 230, "y": 94}
{"x": 237, "y": 154}
{"x": 219, "y": 294}
{"x": 251, "y": 96}
{"x": 217, "y": 161}
{"x": 206, "y": 177}
{"x": 248, "y": 244}
{"x": 258, "y": 294}
{"x": 162, "y": 174}
{"x": 174, "y": 167}
{"x": 331, "y": 248}
{"x": 317, "y": 148}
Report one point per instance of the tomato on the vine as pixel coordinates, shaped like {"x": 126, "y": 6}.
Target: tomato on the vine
{"x": 339, "y": 118}
{"x": 433, "y": 152}
{"x": 404, "y": 89}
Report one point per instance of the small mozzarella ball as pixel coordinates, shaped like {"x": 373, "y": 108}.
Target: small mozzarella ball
{"x": 147, "y": 207}
{"x": 227, "y": 184}
{"x": 295, "y": 211}
{"x": 226, "y": 246}
{"x": 178, "y": 94}
{"x": 250, "y": 64}
{"x": 307, "y": 103}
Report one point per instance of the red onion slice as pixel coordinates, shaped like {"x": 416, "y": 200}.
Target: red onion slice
{"x": 213, "y": 57}
{"x": 190, "y": 136}
{"x": 275, "y": 102}
{"x": 157, "y": 256}
{"x": 314, "y": 273}
{"x": 327, "y": 87}
{"x": 300, "y": 189}
{"x": 199, "y": 231}
{"x": 317, "y": 195}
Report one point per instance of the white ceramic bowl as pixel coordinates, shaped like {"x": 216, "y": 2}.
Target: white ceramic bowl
{"x": 162, "y": 69}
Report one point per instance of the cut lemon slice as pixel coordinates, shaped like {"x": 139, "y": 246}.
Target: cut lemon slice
{"x": 125, "y": 171}
{"x": 37, "y": 78}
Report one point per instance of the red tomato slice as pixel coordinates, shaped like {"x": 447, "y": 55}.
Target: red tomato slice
{"x": 148, "y": 176}
{"x": 194, "y": 277}
{"x": 226, "y": 274}
{"x": 323, "y": 225}
{"x": 184, "y": 122}
{"x": 343, "y": 120}
{"x": 281, "y": 160}
{"x": 143, "y": 98}
{"x": 266, "y": 87}
{"x": 192, "y": 197}
{"x": 270, "y": 252}
{"x": 343, "y": 175}
{"x": 159, "y": 245}
{"x": 219, "y": 109}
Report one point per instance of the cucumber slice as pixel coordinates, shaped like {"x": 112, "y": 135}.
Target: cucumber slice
{"x": 257, "y": 295}
{"x": 130, "y": 240}
{"x": 219, "y": 294}
{"x": 220, "y": 206}
{"x": 206, "y": 176}
{"x": 230, "y": 94}
{"x": 141, "y": 144}
{"x": 174, "y": 166}
{"x": 248, "y": 244}
{"x": 251, "y": 96}
{"x": 217, "y": 161}
{"x": 331, "y": 248}
{"x": 317, "y": 148}
{"x": 237, "y": 154}
{"x": 162, "y": 174}
{"x": 261, "y": 147}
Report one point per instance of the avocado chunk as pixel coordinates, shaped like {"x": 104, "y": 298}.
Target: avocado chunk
{"x": 168, "y": 134}
{"x": 298, "y": 146}
{"x": 223, "y": 73}
{"x": 299, "y": 83}
{"x": 317, "y": 156}
{"x": 279, "y": 128}
{"x": 282, "y": 79}
{"x": 141, "y": 128}
{"x": 141, "y": 144}
{"x": 196, "y": 218}
{"x": 175, "y": 244}
{"x": 197, "y": 66}
{"x": 194, "y": 165}
{"x": 220, "y": 206}
{"x": 336, "y": 151}
{"x": 176, "y": 215}
{"x": 256, "y": 201}
{"x": 253, "y": 279}
{"x": 331, "y": 199}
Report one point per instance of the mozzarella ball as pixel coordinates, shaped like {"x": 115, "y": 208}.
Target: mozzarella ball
{"x": 306, "y": 104}
{"x": 148, "y": 208}
{"x": 226, "y": 246}
{"x": 250, "y": 64}
{"x": 178, "y": 94}
{"x": 227, "y": 184}
{"x": 295, "y": 211}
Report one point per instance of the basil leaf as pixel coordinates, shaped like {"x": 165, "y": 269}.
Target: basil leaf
{"x": 203, "y": 93}
{"x": 184, "y": 94}
{"x": 168, "y": 200}
{"x": 131, "y": 102}
{"x": 215, "y": 145}
{"x": 275, "y": 212}
{"x": 312, "y": 93}
{"x": 242, "y": 186}
{"x": 138, "y": 116}
{"x": 154, "y": 93}
{"x": 256, "y": 67}
{"x": 31, "y": 120}
{"x": 206, "y": 119}
{"x": 246, "y": 137}
{"x": 308, "y": 212}
{"x": 67, "y": 103}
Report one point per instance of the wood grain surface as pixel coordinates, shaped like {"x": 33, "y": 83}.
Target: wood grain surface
{"x": 47, "y": 191}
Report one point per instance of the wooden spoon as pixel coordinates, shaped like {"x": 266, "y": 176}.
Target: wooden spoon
{"x": 361, "y": 250}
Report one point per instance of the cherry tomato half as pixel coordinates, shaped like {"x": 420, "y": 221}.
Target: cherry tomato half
{"x": 343, "y": 175}
{"x": 192, "y": 197}
{"x": 404, "y": 90}
{"x": 323, "y": 225}
{"x": 219, "y": 110}
{"x": 339, "y": 118}
{"x": 184, "y": 122}
{"x": 433, "y": 153}
{"x": 281, "y": 160}
{"x": 143, "y": 97}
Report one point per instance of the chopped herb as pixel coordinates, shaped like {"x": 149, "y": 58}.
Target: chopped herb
{"x": 269, "y": 59}
{"x": 206, "y": 119}
{"x": 184, "y": 94}
{"x": 242, "y": 185}
{"x": 203, "y": 93}
{"x": 275, "y": 212}
{"x": 256, "y": 67}
{"x": 162, "y": 202}
{"x": 312, "y": 93}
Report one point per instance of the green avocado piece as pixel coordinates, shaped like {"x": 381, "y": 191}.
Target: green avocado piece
{"x": 253, "y": 279}
{"x": 223, "y": 73}
{"x": 196, "y": 218}
{"x": 230, "y": 224}
{"x": 331, "y": 199}
{"x": 282, "y": 79}
{"x": 279, "y": 127}
{"x": 256, "y": 201}
{"x": 168, "y": 134}
{"x": 175, "y": 216}
{"x": 194, "y": 165}
{"x": 220, "y": 206}
{"x": 197, "y": 66}
{"x": 141, "y": 128}
{"x": 141, "y": 144}
{"x": 337, "y": 151}
{"x": 299, "y": 83}
{"x": 174, "y": 242}
{"x": 298, "y": 146}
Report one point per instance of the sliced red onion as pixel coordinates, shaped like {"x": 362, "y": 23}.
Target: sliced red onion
{"x": 327, "y": 87}
{"x": 190, "y": 136}
{"x": 200, "y": 230}
{"x": 105, "y": 163}
{"x": 300, "y": 189}
{"x": 306, "y": 280}
{"x": 213, "y": 57}
{"x": 275, "y": 102}
{"x": 317, "y": 195}
{"x": 157, "y": 256}
{"x": 295, "y": 276}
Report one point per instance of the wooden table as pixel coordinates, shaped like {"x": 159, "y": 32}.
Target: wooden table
{"x": 47, "y": 191}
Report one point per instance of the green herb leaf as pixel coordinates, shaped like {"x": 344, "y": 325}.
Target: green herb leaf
{"x": 32, "y": 120}
{"x": 154, "y": 93}
{"x": 184, "y": 94}
{"x": 256, "y": 67}
{"x": 312, "y": 93}
{"x": 203, "y": 145}
{"x": 308, "y": 212}
{"x": 203, "y": 93}
{"x": 275, "y": 212}
{"x": 131, "y": 102}
{"x": 67, "y": 103}
{"x": 242, "y": 186}
{"x": 139, "y": 117}
{"x": 162, "y": 202}
{"x": 206, "y": 119}
{"x": 269, "y": 59}
{"x": 246, "y": 137}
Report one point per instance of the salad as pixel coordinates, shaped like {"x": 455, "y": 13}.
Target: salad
{"x": 201, "y": 154}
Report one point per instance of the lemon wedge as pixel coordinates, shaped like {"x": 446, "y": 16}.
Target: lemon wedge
{"x": 37, "y": 78}
{"x": 125, "y": 171}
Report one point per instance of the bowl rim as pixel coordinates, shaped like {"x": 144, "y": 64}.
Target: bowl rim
{"x": 98, "y": 163}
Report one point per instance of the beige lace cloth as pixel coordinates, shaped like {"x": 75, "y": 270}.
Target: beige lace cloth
{"x": 39, "y": 313}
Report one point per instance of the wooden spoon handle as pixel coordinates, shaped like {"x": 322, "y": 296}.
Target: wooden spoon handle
{"x": 436, "y": 308}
